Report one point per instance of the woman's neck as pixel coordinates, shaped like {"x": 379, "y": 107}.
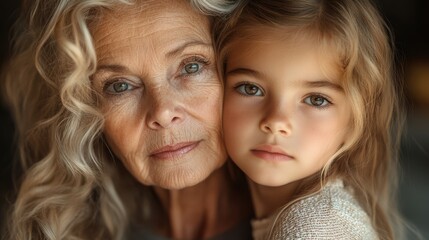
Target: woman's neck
{"x": 266, "y": 200}
{"x": 204, "y": 210}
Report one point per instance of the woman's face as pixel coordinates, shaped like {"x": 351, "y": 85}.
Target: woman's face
{"x": 159, "y": 92}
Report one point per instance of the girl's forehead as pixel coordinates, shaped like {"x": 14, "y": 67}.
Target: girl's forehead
{"x": 290, "y": 35}
{"x": 289, "y": 40}
{"x": 267, "y": 49}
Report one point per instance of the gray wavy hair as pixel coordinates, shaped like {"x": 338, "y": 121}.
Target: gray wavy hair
{"x": 215, "y": 7}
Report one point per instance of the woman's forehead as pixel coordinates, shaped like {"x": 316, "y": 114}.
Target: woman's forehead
{"x": 146, "y": 15}
{"x": 145, "y": 27}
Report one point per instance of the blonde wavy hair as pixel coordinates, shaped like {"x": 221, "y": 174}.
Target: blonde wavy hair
{"x": 358, "y": 35}
{"x": 71, "y": 182}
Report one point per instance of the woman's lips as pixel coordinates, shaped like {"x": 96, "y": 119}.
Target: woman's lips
{"x": 271, "y": 153}
{"x": 174, "y": 151}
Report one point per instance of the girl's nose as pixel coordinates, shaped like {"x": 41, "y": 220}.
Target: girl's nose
{"x": 276, "y": 121}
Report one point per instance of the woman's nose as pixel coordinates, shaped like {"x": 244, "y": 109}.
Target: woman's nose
{"x": 165, "y": 111}
{"x": 276, "y": 121}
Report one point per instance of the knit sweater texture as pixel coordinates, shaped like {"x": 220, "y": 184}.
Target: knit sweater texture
{"x": 331, "y": 213}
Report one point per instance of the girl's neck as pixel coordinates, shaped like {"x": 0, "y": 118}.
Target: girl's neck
{"x": 207, "y": 209}
{"x": 267, "y": 200}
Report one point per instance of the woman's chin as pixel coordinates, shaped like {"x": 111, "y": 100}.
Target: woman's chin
{"x": 179, "y": 180}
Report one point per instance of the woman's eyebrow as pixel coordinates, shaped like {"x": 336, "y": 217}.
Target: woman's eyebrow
{"x": 109, "y": 68}
{"x": 181, "y": 47}
{"x": 112, "y": 68}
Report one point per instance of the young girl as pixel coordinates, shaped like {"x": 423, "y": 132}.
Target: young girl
{"x": 312, "y": 117}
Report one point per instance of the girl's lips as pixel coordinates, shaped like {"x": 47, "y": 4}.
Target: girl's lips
{"x": 173, "y": 151}
{"x": 271, "y": 153}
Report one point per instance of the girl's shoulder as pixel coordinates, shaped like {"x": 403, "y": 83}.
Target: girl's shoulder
{"x": 332, "y": 213}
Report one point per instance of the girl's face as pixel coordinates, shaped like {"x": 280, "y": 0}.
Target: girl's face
{"x": 285, "y": 112}
{"x": 159, "y": 92}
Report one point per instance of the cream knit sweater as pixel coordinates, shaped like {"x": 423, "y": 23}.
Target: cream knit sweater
{"x": 332, "y": 213}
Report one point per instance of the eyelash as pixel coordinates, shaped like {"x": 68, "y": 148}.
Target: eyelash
{"x": 244, "y": 84}
{"x": 201, "y": 61}
{"x": 326, "y": 99}
{"x": 110, "y": 83}
{"x": 194, "y": 59}
{"x": 327, "y": 103}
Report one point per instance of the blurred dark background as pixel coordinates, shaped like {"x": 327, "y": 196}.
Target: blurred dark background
{"x": 409, "y": 20}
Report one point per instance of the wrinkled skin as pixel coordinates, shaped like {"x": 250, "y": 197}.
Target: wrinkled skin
{"x": 160, "y": 92}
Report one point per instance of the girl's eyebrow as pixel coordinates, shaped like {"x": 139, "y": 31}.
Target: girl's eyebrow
{"x": 324, "y": 83}
{"x": 246, "y": 71}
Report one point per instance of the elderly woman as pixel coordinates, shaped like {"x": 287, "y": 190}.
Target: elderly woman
{"x": 117, "y": 106}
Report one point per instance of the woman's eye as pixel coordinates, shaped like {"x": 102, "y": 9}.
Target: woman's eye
{"x": 118, "y": 87}
{"x": 191, "y": 68}
{"x": 316, "y": 101}
{"x": 249, "y": 89}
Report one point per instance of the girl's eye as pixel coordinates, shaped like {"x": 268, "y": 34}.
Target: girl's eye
{"x": 249, "y": 89}
{"x": 191, "y": 68}
{"x": 118, "y": 87}
{"x": 316, "y": 101}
